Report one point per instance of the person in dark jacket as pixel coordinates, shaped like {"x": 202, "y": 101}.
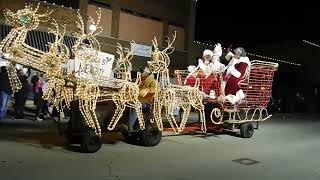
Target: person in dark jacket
{"x": 37, "y": 94}
{"x": 5, "y": 92}
{"x": 22, "y": 95}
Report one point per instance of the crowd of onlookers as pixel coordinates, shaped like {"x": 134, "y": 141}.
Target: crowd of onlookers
{"x": 32, "y": 83}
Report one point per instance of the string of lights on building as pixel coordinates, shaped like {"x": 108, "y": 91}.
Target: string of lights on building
{"x": 257, "y": 55}
{"x": 313, "y": 44}
{"x": 58, "y": 5}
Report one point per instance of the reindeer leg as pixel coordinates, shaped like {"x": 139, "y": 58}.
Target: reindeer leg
{"x": 96, "y": 122}
{"x": 116, "y": 116}
{"x": 171, "y": 119}
{"x": 83, "y": 112}
{"x": 186, "y": 112}
{"x": 138, "y": 108}
{"x": 199, "y": 106}
{"x": 157, "y": 108}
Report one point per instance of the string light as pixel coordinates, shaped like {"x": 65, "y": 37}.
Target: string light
{"x": 313, "y": 44}
{"x": 170, "y": 96}
{"x": 13, "y": 45}
{"x": 122, "y": 92}
{"x": 49, "y": 62}
{"x": 265, "y": 57}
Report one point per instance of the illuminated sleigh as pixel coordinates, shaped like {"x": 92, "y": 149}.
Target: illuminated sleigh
{"x": 257, "y": 86}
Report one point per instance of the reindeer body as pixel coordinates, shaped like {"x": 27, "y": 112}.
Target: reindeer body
{"x": 51, "y": 62}
{"x": 123, "y": 92}
{"x": 171, "y": 96}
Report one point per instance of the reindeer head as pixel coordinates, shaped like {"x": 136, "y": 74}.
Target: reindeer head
{"x": 123, "y": 64}
{"x": 87, "y": 46}
{"x": 27, "y": 18}
{"x": 58, "y": 51}
{"x": 160, "y": 59}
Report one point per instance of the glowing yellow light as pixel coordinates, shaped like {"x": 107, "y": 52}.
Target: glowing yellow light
{"x": 170, "y": 96}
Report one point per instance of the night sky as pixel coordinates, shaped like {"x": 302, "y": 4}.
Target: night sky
{"x": 253, "y": 23}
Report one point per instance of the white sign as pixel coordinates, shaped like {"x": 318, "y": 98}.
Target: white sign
{"x": 4, "y": 62}
{"x": 90, "y": 70}
{"x": 141, "y": 50}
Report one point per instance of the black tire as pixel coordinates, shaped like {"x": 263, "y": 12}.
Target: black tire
{"x": 131, "y": 137}
{"x": 70, "y": 136}
{"x": 73, "y": 139}
{"x": 151, "y": 135}
{"x": 91, "y": 142}
{"x": 246, "y": 130}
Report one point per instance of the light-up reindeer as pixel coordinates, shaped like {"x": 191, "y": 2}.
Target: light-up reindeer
{"x": 14, "y": 47}
{"x": 51, "y": 62}
{"x": 124, "y": 93}
{"x": 86, "y": 49}
{"x": 55, "y": 59}
{"x": 171, "y": 96}
{"x": 123, "y": 65}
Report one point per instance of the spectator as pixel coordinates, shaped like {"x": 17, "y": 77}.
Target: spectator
{"x": 147, "y": 88}
{"x": 38, "y": 93}
{"x": 22, "y": 95}
{"x": 5, "y": 92}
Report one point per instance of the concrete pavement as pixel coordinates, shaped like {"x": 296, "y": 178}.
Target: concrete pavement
{"x": 281, "y": 149}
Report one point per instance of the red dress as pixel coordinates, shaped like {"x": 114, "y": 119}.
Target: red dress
{"x": 233, "y": 77}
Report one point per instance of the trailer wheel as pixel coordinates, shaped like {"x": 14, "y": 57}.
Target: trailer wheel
{"x": 246, "y": 130}
{"x": 130, "y": 137}
{"x": 91, "y": 142}
{"x": 73, "y": 139}
{"x": 151, "y": 135}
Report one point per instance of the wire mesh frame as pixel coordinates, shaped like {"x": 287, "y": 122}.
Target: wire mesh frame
{"x": 39, "y": 39}
{"x": 207, "y": 83}
{"x": 257, "y": 85}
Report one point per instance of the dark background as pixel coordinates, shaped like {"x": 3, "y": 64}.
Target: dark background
{"x": 274, "y": 29}
{"x": 256, "y": 22}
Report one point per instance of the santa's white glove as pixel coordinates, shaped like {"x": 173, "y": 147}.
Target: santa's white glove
{"x": 191, "y": 68}
{"x": 201, "y": 64}
{"x": 231, "y": 70}
{"x": 229, "y": 56}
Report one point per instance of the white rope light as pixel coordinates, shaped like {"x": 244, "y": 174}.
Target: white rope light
{"x": 265, "y": 57}
{"x": 313, "y": 44}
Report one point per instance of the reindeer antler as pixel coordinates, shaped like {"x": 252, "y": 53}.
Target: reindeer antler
{"x": 170, "y": 43}
{"x": 99, "y": 28}
{"x": 35, "y": 10}
{"x": 80, "y": 25}
{"x": 120, "y": 51}
{"x": 155, "y": 43}
{"x": 93, "y": 42}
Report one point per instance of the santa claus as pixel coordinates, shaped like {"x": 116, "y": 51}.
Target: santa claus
{"x": 236, "y": 71}
{"x": 206, "y": 67}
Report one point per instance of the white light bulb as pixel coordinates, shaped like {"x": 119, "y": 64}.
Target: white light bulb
{"x": 92, "y": 28}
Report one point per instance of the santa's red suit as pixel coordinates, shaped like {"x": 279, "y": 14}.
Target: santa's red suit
{"x": 207, "y": 83}
{"x": 235, "y": 72}
{"x": 207, "y": 70}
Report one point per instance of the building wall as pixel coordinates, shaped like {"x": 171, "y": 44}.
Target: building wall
{"x": 149, "y": 18}
{"x": 139, "y": 29}
{"x": 179, "y": 43}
